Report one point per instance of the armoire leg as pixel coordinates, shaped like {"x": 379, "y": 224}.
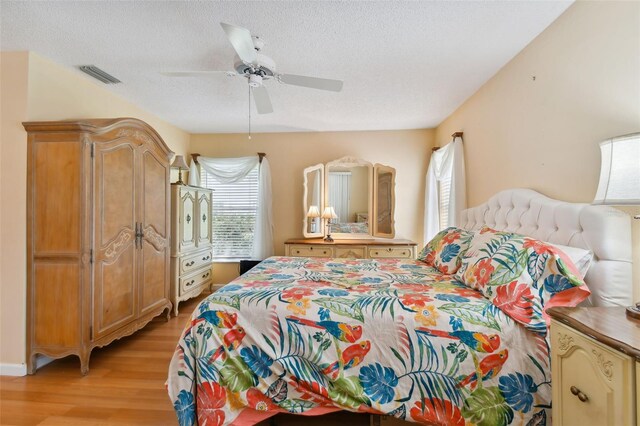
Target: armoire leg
{"x": 84, "y": 362}
{"x": 31, "y": 364}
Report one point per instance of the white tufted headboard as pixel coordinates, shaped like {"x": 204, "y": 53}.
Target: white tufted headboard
{"x": 603, "y": 230}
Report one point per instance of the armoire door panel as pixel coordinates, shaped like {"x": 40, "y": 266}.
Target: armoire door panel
{"x": 115, "y": 170}
{"x": 154, "y": 193}
{"x": 56, "y": 195}
{"x": 154, "y": 290}
{"x": 115, "y": 298}
{"x": 155, "y": 237}
{"x": 57, "y": 309}
{"x": 187, "y": 219}
{"x": 114, "y": 295}
{"x": 204, "y": 218}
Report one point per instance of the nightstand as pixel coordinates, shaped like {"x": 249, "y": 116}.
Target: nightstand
{"x": 595, "y": 366}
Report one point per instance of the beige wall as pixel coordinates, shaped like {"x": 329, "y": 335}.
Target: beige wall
{"x": 544, "y": 133}
{"x": 290, "y": 153}
{"x": 34, "y": 88}
{"x": 13, "y": 159}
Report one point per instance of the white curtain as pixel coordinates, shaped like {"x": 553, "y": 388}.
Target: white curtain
{"x": 340, "y": 194}
{"x": 447, "y": 164}
{"x": 194, "y": 174}
{"x": 263, "y": 238}
{"x": 230, "y": 170}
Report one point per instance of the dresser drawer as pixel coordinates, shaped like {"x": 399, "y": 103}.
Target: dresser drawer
{"x": 195, "y": 261}
{"x": 381, "y": 252}
{"x": 310, "y": 251}
{"x": 356, "y": 252}
{"x": 195, "y": 280}
{"x": 591, "y": 382}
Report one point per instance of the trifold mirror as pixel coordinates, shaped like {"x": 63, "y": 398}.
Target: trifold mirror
{"x": 361, "y": 195}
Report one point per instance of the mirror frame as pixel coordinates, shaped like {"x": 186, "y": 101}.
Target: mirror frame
{"x": 377, "y": 169}
{"x": 351, "y": 162}
{"x": 320, "y": 233}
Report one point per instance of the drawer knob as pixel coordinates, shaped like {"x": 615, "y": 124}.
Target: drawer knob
{"x": 190, "y": 263}
{"x": 581, "y": 396}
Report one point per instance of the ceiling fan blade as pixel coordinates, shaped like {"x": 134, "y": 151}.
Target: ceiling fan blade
{"x": 241, "y": 41}
{"x": 195, "y": 73}
{"x": 261, "y": 98}
{"x": 312, "y": 82}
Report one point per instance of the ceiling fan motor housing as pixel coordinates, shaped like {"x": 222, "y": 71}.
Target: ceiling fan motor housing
{"x": 264, "y": 67}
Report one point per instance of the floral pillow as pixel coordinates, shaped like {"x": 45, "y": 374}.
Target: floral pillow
{"x": 521, "y": 276}
{"x": 444, "y": 252}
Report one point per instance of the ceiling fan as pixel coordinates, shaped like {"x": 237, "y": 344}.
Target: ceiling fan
{"x": 257, "y": 68}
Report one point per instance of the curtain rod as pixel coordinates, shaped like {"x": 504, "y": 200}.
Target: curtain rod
{"x": 454, "y": 135}
{"x": 195, "y": 155}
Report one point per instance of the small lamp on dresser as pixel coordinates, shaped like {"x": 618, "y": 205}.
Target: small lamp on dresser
{"x": 329, "y": 213}
{"x": 180, "y": 164}
{"x": 619, "y": 183}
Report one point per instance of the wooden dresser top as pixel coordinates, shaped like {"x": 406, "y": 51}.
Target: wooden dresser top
{"x": 609, "y": 326}
{"x": 352, "y": 242}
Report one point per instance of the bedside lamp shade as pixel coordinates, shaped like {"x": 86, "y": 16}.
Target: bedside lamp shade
{"x": 313, "y": 212}
{"x": 620, "y": 171}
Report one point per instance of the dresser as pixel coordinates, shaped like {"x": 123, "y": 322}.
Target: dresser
{"x": 191, "y": 242}
{"x": 97, "y": 234}
{"x": 595, "y": 366}
{"x": 356, "y": 248}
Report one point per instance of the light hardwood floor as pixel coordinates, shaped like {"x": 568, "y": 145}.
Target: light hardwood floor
{"x": 125, "y": 386}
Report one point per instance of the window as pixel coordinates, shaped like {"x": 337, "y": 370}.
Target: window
{"x": 234, "y": 215}
{"x": 444, "y": 193}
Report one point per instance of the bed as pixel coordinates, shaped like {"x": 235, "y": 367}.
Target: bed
{"x": 400, "y": 337}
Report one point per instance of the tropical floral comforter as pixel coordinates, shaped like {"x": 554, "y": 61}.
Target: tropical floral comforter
{"x": 391, "y": 337}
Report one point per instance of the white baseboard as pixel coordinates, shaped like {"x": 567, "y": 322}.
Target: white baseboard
{"x": 13, "y": 369}
{"x": 21, "y": 369}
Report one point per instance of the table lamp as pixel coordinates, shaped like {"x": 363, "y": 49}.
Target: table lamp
{"x": 329, "y": 213}
{"x": 180, "y": 164}
{"x": 620, "y": 181}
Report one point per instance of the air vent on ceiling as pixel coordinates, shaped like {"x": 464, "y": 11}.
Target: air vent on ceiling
{"x": 98, "y": 74}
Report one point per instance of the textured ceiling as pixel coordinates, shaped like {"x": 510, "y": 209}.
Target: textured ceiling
{"x": 404, "y": 64}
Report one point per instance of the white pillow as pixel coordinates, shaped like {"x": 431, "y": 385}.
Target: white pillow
{"x": 580, "y": 257}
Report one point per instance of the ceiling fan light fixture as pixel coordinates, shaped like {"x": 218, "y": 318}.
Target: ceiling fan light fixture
{"x": 255, "y": 80}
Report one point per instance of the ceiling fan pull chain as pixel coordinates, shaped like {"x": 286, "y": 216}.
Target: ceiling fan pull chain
{"x": 249, "y": 111}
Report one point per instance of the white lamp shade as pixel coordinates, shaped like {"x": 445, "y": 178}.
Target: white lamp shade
{"x": 329, "y": 213}
{"x": 314, "y": 211}
{"x": 620, "y": 171}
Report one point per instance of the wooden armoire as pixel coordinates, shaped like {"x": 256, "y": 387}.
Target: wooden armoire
{"x": 98, "y": 230}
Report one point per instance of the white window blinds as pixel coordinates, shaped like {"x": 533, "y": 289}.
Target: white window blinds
{"x": 234, "y": 215}
{"x": 444, "y": 194}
